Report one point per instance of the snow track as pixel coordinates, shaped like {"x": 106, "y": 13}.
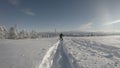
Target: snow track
{"x": 82, "y": 53}
{"x": 92, "y": 54}
{"x": 99, "y": 47}
{"x": 47, "y": 60}
{"x": 57, "y": 57}
{"x": 73, "y": 52}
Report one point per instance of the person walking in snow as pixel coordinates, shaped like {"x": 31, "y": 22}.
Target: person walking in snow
{"x": 61, "y": 36}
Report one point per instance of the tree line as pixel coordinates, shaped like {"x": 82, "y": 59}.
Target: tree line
{"x": 13, "y": 33}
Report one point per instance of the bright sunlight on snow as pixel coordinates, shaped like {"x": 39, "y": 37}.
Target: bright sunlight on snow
{"x": 72, "y": 52}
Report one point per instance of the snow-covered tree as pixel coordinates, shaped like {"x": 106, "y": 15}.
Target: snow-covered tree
{"x": 34, "y": 34}
{"x": 1, "y": 32}
{"x": 5, "y": 31}
{"x": 13, "y": 33}
{"x": 23, "y": 34}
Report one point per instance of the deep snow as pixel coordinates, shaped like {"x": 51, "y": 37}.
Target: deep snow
{"x": 27, "y": 53}
{"x": 58, "y": 57}
{"x": 87, "y": 52}
{"x": 73, "y": 52}
{"x": 95, "y": 52}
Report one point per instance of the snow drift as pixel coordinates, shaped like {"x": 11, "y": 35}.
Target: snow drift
{"x": 58, "y": 57}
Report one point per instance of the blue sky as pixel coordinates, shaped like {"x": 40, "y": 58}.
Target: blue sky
{"x": 64, "y": 15}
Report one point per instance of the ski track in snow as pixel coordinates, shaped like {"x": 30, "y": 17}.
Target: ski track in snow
{"x": 81, "y": 53}
{"x": 47, "y": 60}
{"x": 85, "y": 52}
{"x": 91, "y": 54}
{"x": 24, "y": 53}
{"x": 57, "y": 57}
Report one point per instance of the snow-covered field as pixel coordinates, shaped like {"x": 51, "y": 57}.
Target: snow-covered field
{"x": 84, "y": 52}
{"x": 72, "y": 52}
{"x": 94, "y": 52}
{"x": 26, "y": 53}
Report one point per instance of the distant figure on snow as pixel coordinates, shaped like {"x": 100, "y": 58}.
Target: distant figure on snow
{"x": 61, "y": 36}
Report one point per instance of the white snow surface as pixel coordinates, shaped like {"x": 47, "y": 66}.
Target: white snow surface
{"x": 27, "y": 53}
{"x": 48, "y": 58}
{"x": 84, "y": 52}
{"x": 72, "y": 52}
{"x": 95, "y": 52}
{"x": 57, "y": 57}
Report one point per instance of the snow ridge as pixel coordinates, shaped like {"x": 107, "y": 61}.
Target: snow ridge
{"x": 58, "y": 57}
{"x": 47, "y": 60}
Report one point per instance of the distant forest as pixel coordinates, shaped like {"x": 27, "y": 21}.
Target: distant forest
{"x": 13, "y": 33}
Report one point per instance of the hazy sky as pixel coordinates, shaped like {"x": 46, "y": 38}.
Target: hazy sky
{"x": 64, "y": 15}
